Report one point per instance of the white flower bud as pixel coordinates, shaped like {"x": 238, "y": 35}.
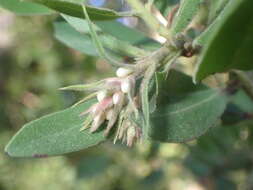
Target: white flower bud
{"x": 131, "y": 135}
{"x": 94, "y": 109}
{"x": 97, "y": 121}
{"x": 117, "y": 97}
{"x": 101, "y": 95}
{"x": 126, "y": 86}
{"x": 109, "y": 114}
{"x": 123, "y": 72}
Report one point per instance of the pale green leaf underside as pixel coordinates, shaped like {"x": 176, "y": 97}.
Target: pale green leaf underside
{"x": 69, "y": 36}
{"x": 187, "y": 10}
{"x": 83, "y": 43}
{"x": 54, "y": 134}
{"x": 242, "y": 101}
{"x": 75, "y": 9}
{"x": 24, "y": 8}
{"x": 108, "y": 41}
{"x": 188, "y": 117}
{"x": 216, "y": 7}
{"x": 145, "y": 97}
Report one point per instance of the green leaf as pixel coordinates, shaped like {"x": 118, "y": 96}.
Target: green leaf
{"x": 165, "y": 6}
{"x": 187, "y": 117}
{"x": 97, "y": 42}
{"x": 145, "y": 87}
{"x": 114, "y": 41}
{"x": 130, "y": 35}
{"x": 228, "y": 41}
{"x": 184, "y": 111}
{"x": 78, "y": 39}
{"x": 187, "y": 10}
{"x": 203, "y": 38}
{"x": 168, "y": 86}
{"x": 54, "y": 134}
{"x": 216, "y": 7}
{"x": 24, "y": 8}
{"x": 75, "y": 9}
{"x": 69, "y": 36}
{"x": 243, "y": 101}
{"x": 79, "y": 24}
{"x": 121, "y": 32}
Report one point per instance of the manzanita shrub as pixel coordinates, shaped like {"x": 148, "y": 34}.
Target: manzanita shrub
{"x": 150, "y": 97}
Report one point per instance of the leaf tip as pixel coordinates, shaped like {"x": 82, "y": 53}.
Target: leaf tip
{"x": 7, "y": 151}
{"x": 194, "y": 80}
{"x": 196, "y": 75}
{"x": 63, "y": 88}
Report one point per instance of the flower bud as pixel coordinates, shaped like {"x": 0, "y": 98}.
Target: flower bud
{"x": 97, "y": 121}
{"x": 101, "y": 95}
{"x": 131, "y": 135}
{"x": 126, "y": 86}
{"x": 109, "y": 114}
{"x": 94, "y": 109}
{"x": 113, "y": 83}
{"x": 102, "y": 106}
{"x": 123, "y": 72}
{"x": 117, "y": 97}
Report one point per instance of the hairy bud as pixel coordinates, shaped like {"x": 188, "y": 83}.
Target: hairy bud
{"x": 131, "y": 135}
{"x": 117, "y": 97}
{"x": 97, "y": 121}
{"x": 126, "y": 86}
{"x": 109, "y": 114}
{"x": 101, "y": 95}
{"x": 123, "y": 72}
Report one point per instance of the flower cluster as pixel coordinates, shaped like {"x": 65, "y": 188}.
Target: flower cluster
{"x": 123, "y": 103}
{"x": 116, "y": 103}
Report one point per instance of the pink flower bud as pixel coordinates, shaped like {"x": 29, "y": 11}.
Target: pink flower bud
{"x": 105, "y": 104}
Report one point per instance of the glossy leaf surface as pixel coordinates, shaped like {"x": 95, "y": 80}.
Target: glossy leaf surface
{"x": 228, "y": 41}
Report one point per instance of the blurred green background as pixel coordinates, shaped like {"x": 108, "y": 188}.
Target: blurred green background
{"x": 33, "y": 65}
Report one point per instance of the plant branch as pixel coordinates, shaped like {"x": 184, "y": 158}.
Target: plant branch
{"x": 149, "y": 4}
{"x": 149, "y": 19}
{"x": 246, "y": 82}
{"x": 122, "y": 47}
{"x": 98, "y": 43}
